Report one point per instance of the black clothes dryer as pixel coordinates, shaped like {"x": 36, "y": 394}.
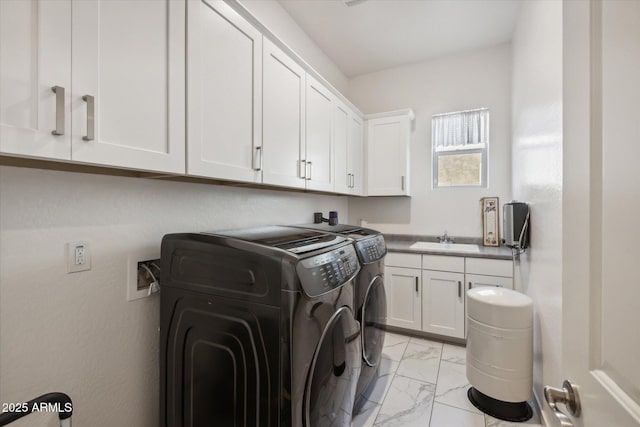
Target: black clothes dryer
{"x": 370, "y": 300}
{"x": 257, "y": 329}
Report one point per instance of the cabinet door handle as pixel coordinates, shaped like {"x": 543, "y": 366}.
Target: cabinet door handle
{"x": 259, "y": 156}
{"x": 459, "y": 289}
{"x": 417, "y": 291}
{"x": 402, "y": 182}
{"x": 469, "y": 285}
{"x": 302, "y": 166}
{"x": 59, "y": 91}
{"x": 353, "y": 180}
{"x": 309, "y": 176}
{"x": 91, "y": 125}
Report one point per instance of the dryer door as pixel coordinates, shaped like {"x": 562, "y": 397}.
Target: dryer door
{"x": 333, "y": 377}
{"x": 374, "y": 314}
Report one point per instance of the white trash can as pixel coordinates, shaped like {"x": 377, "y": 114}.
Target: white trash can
{"x": 500, "y": 352}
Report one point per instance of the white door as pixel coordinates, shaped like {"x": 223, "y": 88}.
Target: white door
{"x": 356, "y": 155}
{"x": 283, "y": 119}
{"x": 443, "y": 303}
{"x": 341, "y": 122}
{"x": 224, "y": 85}
{"x": 388, "y": 156}
{"x": 35, "y": 56}
{"x": 601, "y": 293}
{"x": 128, "y": 63}
{"x": 403, "y": 286}
{"x": 319, "y": 141}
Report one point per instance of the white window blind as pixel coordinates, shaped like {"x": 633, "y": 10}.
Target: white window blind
{"x": 460, "y": 130}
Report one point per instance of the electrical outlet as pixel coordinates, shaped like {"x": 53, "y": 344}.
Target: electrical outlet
{"x": 78, "y": 257}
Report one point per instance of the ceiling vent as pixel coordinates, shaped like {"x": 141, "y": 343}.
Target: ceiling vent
{"x": 351, "y": 3}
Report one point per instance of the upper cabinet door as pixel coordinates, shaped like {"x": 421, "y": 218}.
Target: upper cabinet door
{"x": 388, "y": 137}
{"x": 35, "y": 56}
{"x": 356, "y": 154}
{"x": 283, "y": 119}
{"x": 319, "y": 111}
{"x": 128, "y": 100}
{"x": 224, "y": 86}
{"x": 341, "y": 134}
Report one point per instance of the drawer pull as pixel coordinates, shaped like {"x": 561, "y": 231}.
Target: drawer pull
{"x": 459, "y": 289}
{"x": 417, "y": 285}
{"x": 59, "y": 91}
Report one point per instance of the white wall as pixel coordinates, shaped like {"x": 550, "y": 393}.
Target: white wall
{"x": 279, "y": 22}
{"x": 537, "y": 177}
{"x": 76, "y": 332}
{"x": 471, "y": 80}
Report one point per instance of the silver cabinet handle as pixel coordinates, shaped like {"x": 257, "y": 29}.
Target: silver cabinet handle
{"x": 348, "y": 180}
{"x": 91, "y": 125}
{"x": 259, "y": 162}
{"x": 353, "y": 180}
{"x": 59, "y": 91}
{"x": 569, "y": 396}
{"x": 417, "y": 285}
{"x": 459, "y": 289}
{"x": 402, "y": 182}
{"x": 302, "y": 168}
{"x": 309, "y": 176}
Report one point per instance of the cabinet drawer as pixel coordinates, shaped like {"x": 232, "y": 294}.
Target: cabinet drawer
{"x": 478, "y": 280}
{"x": 490, "y": 267}
{"x": 443, "y": 263}
{"x": 396, "y": 259}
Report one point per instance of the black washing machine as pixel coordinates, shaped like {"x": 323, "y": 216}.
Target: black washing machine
{"x": 370, "y": 300}
{"x": 257, "y": 329}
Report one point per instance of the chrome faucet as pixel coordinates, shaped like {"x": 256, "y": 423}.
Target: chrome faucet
{"x": 445, "y": 238}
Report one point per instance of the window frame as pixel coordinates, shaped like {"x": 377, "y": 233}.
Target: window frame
{"x": 459, "y": 149}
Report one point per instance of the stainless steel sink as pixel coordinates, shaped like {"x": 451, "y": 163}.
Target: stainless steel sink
{"x": 446, "y": 247}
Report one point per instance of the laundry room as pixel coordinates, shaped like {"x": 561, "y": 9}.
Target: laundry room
{"x": 318, "y": 213}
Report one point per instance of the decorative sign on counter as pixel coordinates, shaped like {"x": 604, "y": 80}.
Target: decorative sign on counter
{"x": 491, "y": 231}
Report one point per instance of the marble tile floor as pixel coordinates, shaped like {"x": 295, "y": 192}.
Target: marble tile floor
{"x": 423, "y": 383}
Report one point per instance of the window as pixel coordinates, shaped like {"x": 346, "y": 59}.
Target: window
{"x": 460, "y": 143}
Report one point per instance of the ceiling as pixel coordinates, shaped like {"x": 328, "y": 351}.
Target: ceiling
{"x": 363, "y": 36}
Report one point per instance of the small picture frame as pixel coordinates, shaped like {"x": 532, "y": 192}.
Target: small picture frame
{"x": 490, "y": 225}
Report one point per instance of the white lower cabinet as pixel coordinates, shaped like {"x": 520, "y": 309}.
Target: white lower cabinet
{"x": 443, "y": 303}
{"x": 428, "y": 292}
{"x": 403, "y": 287}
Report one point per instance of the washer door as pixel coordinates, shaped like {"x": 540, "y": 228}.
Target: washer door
{"x": 374, "y": 314}
{"x": 333, "y": 376}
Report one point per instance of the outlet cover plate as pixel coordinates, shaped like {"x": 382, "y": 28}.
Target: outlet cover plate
{"x": 78, "y": 256}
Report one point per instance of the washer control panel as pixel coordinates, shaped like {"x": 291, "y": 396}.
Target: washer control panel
{"x": 322, "y": 273}
{"x": 371, "y": 249}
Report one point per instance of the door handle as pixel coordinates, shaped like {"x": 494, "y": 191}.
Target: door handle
{"x": 402, "y": 183}
{"x": 569, "y": 396}
{"x": 353, "y": 180}
{"x": 469, "y": 285}
{"x": 259, "y": 162}
{"x": 302, "y": 166}
{"x": 417, "y": 291}
{"x": 91, "y": 125}
{"x": 459, "y": 289}
{"x": 59, "y": 91}
{"x": 309, "y": 176}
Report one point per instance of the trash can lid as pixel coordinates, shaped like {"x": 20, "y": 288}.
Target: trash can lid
{"x": 499, "y": 307}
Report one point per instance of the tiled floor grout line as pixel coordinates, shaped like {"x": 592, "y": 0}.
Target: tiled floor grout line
{"x": 435, "y": 389}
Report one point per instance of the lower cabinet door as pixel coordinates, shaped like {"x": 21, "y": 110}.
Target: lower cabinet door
{"x": 404, "y": 288}
{"x": 443, "y": 296}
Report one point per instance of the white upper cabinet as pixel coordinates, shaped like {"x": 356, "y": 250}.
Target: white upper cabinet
{"x": 341, "y": 122}
{"x": 224, "y": 87}
{"x": 128, "y": 84}
{"x": 283, "y": 105}
{"x": 319, "y": 141}
{"x": 388, "y": 138}
{"x": 348, "y": 145}
{"x": 355, "y": 156}
{"x": 35, "y": 56}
